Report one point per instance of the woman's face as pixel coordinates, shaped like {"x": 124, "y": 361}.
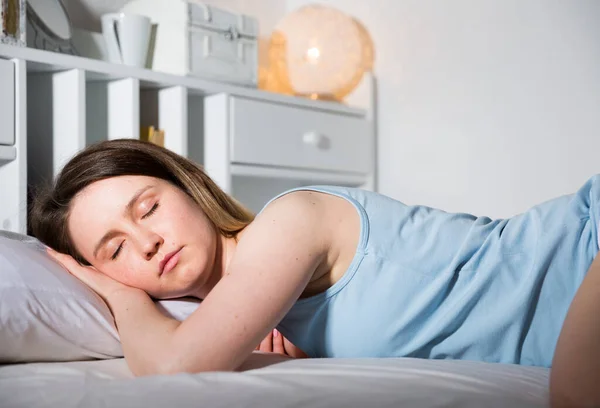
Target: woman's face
{"x": 146, "y": 233}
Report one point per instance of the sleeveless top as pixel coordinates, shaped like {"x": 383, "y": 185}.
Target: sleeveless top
{"x": 431, "y": 284}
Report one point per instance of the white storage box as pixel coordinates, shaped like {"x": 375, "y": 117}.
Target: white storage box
{"x": 193, "y": 38}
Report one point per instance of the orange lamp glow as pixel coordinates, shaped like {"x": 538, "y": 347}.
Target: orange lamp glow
{"x": 318, "y": 52}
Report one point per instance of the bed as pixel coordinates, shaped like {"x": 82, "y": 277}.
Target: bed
{"x": 49, "y": 315}
{"x": 270, "y": 380}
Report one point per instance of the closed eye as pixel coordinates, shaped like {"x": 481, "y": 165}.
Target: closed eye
{"x": 152, "y": 211}
{"x": 116, "y": 254}
{"x": 148, "y": 214}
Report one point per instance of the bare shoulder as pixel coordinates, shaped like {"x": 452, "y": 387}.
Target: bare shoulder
{"x": 300, "y": 200}
{"x": 305, "y": 203}
{"x": 322, "y": 221}
{"x": 298, "y": 216}
{"x": 289, "y": 228}
{"x": 312, "y": 211}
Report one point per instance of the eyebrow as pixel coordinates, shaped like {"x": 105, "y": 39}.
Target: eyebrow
{"x": 128, "y": 208}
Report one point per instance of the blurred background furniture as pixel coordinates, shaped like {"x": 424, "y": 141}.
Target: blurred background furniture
{"x": 253, "y": 143}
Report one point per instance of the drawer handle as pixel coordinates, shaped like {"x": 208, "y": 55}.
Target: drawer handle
{"x": 316, "y": 139}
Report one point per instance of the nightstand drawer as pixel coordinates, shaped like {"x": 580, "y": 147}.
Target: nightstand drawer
{"x": 7, "y": 102}
{"x": 279, "y": 135}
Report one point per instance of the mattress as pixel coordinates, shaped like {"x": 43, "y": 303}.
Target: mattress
{"x": 270, "y": 381}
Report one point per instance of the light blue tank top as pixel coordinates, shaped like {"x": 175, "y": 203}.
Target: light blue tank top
{"x": 431, "y": 284}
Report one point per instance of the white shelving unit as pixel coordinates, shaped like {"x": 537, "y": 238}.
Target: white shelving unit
{"x": 13, "y": 159}
{"x": 7, "y": 154}
{"x": 253, "y": 143}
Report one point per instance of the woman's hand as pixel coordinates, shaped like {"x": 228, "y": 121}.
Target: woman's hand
{"x": 104, "y": 286}
{"x": 276, "y": 343}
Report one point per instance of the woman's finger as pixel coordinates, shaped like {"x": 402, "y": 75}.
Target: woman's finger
{"x": 84, "y": 273}
{"x": 98, "y": 282}
{"x": 278, "y": 342}
{"x": 53, "y": 254}
{"x": 267, "y": 344}
{"x": 293, "y": 351}
{"x": 65, "y": 260}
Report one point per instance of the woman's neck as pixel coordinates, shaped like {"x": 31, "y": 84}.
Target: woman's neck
{"x": 223, "y": 256}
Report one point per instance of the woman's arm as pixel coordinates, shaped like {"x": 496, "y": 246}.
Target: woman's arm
{"x": 575, "y": 373}
{"x": 273, "y": 263}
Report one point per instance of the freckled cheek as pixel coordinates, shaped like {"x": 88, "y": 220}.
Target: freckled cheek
{"x": 178, "y": 222}
{"x": 165, "y": 223}
{"x": 130, "y": 278}
{"x": 128, "y": 273}
{"x": 139, "y": 272}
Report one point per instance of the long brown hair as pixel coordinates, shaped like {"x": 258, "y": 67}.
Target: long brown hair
{"x": 128, "y": 157}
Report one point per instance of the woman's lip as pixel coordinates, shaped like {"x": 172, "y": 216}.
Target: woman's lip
{"x": 169, "y": 261}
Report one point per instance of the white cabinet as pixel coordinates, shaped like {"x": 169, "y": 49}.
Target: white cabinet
{"x": 7, "y": 102}
{"x": 255, "y": 149}
{"x": 269, "y": 134}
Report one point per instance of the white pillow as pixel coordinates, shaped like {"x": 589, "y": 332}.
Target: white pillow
{"x": 46, "y": 314}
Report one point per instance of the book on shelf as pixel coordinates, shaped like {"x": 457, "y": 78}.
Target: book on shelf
{"x": 153, "y": 135}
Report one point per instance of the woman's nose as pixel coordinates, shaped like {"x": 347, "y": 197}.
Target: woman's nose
{"x": 151, "y": 245}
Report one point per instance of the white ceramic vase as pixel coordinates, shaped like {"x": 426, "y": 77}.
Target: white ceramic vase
{"x": 86, "y": 13}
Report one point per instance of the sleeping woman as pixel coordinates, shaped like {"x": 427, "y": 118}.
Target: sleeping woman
{"x": 340, "y": 272}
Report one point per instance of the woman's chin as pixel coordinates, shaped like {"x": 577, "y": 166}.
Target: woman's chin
{"x": 174, "y": 294}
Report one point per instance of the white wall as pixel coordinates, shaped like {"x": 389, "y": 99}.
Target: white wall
{"x": 485, "y": 106}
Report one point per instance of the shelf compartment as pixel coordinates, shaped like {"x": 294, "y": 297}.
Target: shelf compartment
{"x": 167, "y": 109}
{"x": 55, "y": 111}
{"x": 112, "y": 110}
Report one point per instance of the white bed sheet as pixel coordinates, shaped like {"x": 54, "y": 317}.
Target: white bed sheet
{"x": 401, "y": 382}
